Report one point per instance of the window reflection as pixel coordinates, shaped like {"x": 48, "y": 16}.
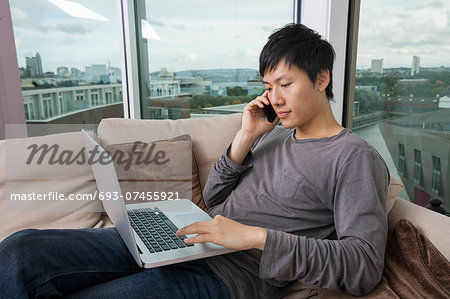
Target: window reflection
{"x": 402, "y": 95}
{"x": 68, "y": 62}
{"x": 201, "y": 58}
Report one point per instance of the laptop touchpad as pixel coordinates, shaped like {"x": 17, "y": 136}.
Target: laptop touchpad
{"x": 187, "y": 219}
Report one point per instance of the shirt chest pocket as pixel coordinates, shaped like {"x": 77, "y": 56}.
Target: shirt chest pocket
{"x": 287, "y": 184}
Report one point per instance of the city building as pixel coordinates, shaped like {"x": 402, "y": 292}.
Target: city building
{"x": 94, "y": 72}
{"x": 34, "y": 66}
{"x": 255, "y": 86}
{"x": 409, "y": 103}
{"x": 377, "y": 66}
{"x": 370, "y": 88}
{"x": 62, "y": 71}
{"x": 195, "y": 85}
{"x": 444, "y": 102}
{"x": 115, "y": 74}
{"x": 420, "y": 146}
{"x": 165, "y": 83}
{"x": 166, "y": 87}
{"x": 46, "y": 105}
{"x": 415, "y": 68}
{"x": 413, "y": 81}
{"x": 76, "y": 73}
{"x": 168, "y": 107}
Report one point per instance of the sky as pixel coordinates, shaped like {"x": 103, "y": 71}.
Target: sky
{"x": 400, "y": 29}
{"x": 206, "y": 34}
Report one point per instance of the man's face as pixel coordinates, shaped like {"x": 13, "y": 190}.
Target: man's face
{"x": 294, "y": 97}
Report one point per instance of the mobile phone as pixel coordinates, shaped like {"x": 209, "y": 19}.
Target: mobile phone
{"x": 269, "y": 112}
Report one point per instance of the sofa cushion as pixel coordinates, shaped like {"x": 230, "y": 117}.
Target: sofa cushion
{"x": 430, "y": 224}
{"x": 27, "y": 176}
{"x": 394, "y": 189}
{"x": 164, "y": 170}
{"x": 210, "y": 135}
{"x": 414, "y": 268}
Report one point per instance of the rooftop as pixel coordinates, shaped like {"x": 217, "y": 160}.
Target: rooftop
{"x": 435, "y": 122}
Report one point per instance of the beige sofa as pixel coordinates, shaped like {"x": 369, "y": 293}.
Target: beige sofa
{"x": 19, "y": 174}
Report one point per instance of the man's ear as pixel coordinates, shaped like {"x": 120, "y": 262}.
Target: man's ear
{"x": 323, "y": 79}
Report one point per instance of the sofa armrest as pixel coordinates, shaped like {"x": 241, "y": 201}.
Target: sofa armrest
{"x": 430, "y": 224}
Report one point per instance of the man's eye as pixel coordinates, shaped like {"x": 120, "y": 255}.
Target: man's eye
{"x": 268, "y": 89}
{"x": 285, "y": 85}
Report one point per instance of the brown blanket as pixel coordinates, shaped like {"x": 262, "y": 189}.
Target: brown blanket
{"x": 414, "y": 268}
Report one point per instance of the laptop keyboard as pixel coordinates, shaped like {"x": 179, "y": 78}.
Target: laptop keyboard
{"x": 156, "y": 231}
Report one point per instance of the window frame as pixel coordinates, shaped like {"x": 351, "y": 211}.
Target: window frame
{"x": 401, "y": 169}
{"x": 436, "y": 181}
{"x": 338, "y": 22}
{"x": 332, "y": 18}
{"x": 418, "y": 168}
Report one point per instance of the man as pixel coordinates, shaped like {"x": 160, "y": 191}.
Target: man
{"x": 305, "y": 202}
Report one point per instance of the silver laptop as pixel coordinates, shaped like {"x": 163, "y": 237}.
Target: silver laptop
{"x": 148, "y": 229}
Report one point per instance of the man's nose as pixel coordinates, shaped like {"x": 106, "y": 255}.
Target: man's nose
{"x": 275, "y": 97}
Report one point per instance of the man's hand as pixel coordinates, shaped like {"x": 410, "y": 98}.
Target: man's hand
{"x": 226, "y": 232}
{"x": 254, "y": 124}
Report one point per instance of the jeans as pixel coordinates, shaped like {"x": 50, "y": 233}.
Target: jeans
{"x": 94, "y": 263}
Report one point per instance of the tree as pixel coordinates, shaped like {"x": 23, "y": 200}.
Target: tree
{"x": 368, "y": 100}
{"x": 236, "y": 91}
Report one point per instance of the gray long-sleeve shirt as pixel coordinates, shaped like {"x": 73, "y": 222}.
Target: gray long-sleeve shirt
{"x": 303, "y": 192}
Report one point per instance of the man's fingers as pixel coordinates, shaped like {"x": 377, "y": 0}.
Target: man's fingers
{"x": 200, "y": 227}
{"x": 265, "y": 97}
{"x": 259, "y": 101}
{"x": 265, "y": 93}
{"x": 199, "y": 239}
{"x": 256, "y": 102}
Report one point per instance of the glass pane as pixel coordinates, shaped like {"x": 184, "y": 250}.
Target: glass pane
{"x": 201, "y": 58}
{"x": 69, "y": 66}
{"x": 402, "y": 95}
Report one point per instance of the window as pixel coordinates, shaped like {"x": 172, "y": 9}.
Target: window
{"x": 437, "y": 180}
{"x": 108, "y": 97}
{"x": 61, "y": 106}
{"x": 175, "y": 113}
{"x": 47, "y": 108}
{"x": 94, "y": 99}
{"x": 156, "y": 113}
{"x": 63, "y": 57}
{"x": 402, "y": 90}
{"x": 418, "y": 172}
{"x": 200, "y": 55}
{"x": 401, "y": 161}
{"x": 29, "y": 111}
{"x": 27, "y": 115}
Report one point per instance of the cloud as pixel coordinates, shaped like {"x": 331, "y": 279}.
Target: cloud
{"x": 207, "y": 27}
{"x": 72, "y": 28}
{"x": 22, "y": 20}
{"x": 155, "y": 22}
{"x": 19, "y": 17}
{"x": 187, "y": 57}
{"x": 179, "y": 27}
{"x": 267, "y": 28}
{"x": 398, "y": 32}
{"x": 252, "y": 54}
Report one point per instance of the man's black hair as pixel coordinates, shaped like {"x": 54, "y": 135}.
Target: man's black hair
{"x": 300, "y": 46}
